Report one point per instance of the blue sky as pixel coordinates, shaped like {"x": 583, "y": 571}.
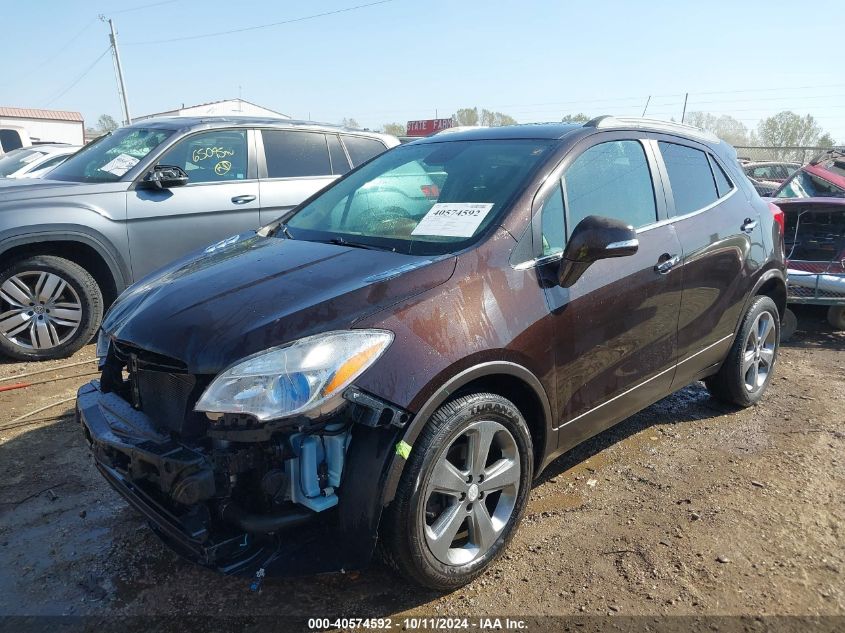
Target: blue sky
{"x": 409, "y": 59}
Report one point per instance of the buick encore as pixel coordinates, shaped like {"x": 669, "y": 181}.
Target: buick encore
{"x": 389, "y": 365}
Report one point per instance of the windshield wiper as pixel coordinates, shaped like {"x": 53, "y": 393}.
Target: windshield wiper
{"x": 273, "y": 228}
{"x": 372, "y": 247}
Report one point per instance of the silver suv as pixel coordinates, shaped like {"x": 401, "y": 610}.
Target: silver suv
{"x": 141, "y": 197}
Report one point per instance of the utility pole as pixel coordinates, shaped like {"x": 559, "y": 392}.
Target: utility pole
{"x": 646, "y": 104}
{"x": 684, "y": 113}
{"x": 121, "y": 84}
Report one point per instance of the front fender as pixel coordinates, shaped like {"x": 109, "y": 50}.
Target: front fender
{"x": 23, "y": 235}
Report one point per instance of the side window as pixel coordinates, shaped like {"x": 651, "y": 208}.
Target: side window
{"x": 611, "y": 179}
{"x": 551, "y": 216}
{"x": 52, "y": 162}
{"x": 216, "y": 156}
{"x": 693, "y": 187}
{"x": 293, "y": 154}
{"x": 340, "y": 164}
{"x": 723, "y": 183}
{"x": 9, "y": 140}
{"x": 362, "y": 149}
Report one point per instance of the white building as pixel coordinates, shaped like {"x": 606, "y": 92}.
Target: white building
{"x": 45, "y": 126}
{"x": 227, "y": 107}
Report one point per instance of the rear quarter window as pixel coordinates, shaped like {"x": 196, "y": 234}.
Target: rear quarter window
{"x": 362, "y": 149}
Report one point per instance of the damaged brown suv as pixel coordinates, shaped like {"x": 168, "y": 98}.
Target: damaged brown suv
{"x": 395, "y": 360}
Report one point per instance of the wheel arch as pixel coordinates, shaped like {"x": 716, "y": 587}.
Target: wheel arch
{"x": 773, "y": 285}
{"x": 507, "y": 379}
{"x": 88, "y": 251}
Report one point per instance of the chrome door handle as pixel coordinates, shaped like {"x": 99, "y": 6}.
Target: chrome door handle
{"x": 243, "y": 199}
{"x": 749, "y": 225}
{"x": 666, "y": 263}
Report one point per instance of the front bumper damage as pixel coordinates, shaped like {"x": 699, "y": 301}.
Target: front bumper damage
{"x": 208, "y": 499}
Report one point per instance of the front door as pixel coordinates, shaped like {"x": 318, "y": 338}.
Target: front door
{"x": 220, "y": 199}
{"x": 616, "y": 327}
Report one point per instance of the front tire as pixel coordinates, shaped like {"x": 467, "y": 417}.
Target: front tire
{"x": 49, "y": 308}
{"x": 462, "y": 493}
{"x": 748, "y": 369}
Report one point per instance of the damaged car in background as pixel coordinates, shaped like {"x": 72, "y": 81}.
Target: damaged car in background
{"x": 813, "y": 202}
{"x": 392, "y": 362}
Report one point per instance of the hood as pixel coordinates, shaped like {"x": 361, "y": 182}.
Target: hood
{"x": 16, "y": 189}
{"x": 249, "y": 293}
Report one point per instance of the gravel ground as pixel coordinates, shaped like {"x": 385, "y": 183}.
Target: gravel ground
{"x": 688, "y": 507}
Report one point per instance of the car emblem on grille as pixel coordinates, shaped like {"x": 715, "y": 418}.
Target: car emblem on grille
{"x": 133, "y": 381}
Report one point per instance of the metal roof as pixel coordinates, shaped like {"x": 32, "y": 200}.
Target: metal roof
{"x": 34, "y": 113}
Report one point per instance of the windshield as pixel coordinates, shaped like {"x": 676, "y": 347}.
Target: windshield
{"x": 17, "y": 160}
{"x": 424, "y": 199}
{"x": 109, "y": 158}
{"x": 806, "y": 185}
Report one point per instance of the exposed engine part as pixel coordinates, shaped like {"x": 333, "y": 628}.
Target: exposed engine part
{"x": 313, "y": 454}
{"x": 255, "y": 523}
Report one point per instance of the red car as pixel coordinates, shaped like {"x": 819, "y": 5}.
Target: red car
{"x": 813, "y": 201}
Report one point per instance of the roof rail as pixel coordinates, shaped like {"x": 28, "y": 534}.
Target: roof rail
{"x": 610, "y": 122}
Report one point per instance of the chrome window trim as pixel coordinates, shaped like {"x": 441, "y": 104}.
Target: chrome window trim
{"x": 645, "y": 382}
{"x": 676, "y": 218}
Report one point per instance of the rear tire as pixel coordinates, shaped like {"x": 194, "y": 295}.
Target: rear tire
{"x": 750, "y": 363}
{"x": 49, "y": 308}
{"x": 453, "y": 514}
{"x": 836, "y": 317}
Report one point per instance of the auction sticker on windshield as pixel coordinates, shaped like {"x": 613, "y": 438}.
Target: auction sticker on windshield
{"x": 453, "y": 219}
{"x": 120, "y": 164}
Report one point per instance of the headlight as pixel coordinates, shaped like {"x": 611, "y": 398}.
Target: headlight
{"x": 306, "y": 375}
{"x": 103, "y": 342}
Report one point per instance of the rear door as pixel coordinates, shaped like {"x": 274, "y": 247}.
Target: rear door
{"x": 293, "y": 165}
{"x": 722, "y": 244}
{"x": 220, "y": 199}
{"x": 616, "y": 327}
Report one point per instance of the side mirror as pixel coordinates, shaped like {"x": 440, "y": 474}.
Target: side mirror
{"x": 166, "y": 177}
{"x": 594, "y": 238}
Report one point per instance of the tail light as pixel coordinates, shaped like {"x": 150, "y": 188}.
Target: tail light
{"x": 431, "y": 192}
{"x": 780, "y": 218}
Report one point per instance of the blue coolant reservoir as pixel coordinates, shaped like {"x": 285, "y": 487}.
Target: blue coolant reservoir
{"x": 303, "y": 470}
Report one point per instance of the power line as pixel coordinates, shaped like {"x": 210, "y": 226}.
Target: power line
{"x": 260, "y": 26}
{"x": 54, "y": 55}
{"x": 143, "y": 6}
{"x": 79, "y": 78}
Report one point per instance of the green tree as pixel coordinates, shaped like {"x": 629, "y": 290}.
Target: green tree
{"x": 466, "y": 116}
{"x": 106, "y": 124}
{"x": 725, "y": 127}
{"x": 496, "y": 119}
{"x": 396, "y": 129}
{"x": 788, "y": 128}
{"x": 575, "y": 118}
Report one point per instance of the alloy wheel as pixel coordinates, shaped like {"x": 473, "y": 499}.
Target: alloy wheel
{"x": 38, "y": 310}
{"x": 472, "y": 493}
{"x": 759, "y": 355}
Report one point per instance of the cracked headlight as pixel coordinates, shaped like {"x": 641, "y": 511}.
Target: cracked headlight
{"x": 309, "y": 374}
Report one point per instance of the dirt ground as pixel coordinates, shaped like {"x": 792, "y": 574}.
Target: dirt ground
{"x": 688, "y": 507}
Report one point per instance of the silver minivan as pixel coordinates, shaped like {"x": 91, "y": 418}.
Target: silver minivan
{"x": 141, "y": 197}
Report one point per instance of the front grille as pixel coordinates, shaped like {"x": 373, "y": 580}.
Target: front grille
{"x": 161, "y": 388}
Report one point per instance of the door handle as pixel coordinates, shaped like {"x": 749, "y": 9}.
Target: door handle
{"x": 243, "y": 199}
{"x": 748, "y": 225}
{"x": 666, "y": 263}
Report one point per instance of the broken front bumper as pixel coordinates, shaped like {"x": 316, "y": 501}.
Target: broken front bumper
{"x": 169, "y": 483}
{"x": 176, "y": 488}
